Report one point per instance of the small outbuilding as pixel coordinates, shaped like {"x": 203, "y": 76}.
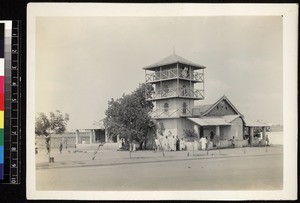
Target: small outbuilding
{"x": 97, "y": 134}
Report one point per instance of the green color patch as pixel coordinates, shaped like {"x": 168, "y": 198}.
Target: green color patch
{"x": 1, "y": 136}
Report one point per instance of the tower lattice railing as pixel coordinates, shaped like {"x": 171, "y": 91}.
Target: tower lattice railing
{"x": 173, "y": 112}
{"x": 174, "y": 74}
{"x": 177, "y": 92}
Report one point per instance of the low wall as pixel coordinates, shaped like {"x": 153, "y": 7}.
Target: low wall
{"x": 56, "y": 139}
{"x": 106, "y": 146}
{"x": 110, "y": 146}
{"x": 228, "y": 143}
{"x": 88, "y": 147}
{"x": 222, "y": 144}
{"x": 275, "y": 138}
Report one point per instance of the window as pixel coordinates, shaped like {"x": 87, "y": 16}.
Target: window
{"x": 166, "y": 107}
{"x": 184, "y": 108}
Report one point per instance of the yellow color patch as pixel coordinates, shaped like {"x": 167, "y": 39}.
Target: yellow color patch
{"x": 1, "y": 119}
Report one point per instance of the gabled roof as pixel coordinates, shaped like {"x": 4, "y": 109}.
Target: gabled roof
{"x": 172, "y": 59}
{"x": 223, "y": 120}
{"x": 205, "y": 109}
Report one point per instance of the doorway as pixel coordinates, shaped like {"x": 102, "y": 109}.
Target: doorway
{"x": 99, "y": 135}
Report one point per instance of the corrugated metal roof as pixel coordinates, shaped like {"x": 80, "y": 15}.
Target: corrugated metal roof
{"x": 94, "y": 126}
{"x": 203, "y": 108}
{"x": 171, "y": 60}
{"x": 252, "y": 123}
{"x": 230, "y": 118}
{"x": 210, "y": 121}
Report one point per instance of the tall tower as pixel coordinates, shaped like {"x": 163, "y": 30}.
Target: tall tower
{"x": 174, "y": 79}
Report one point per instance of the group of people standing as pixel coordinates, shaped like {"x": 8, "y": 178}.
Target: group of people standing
{"x": 169, "y": 143}
{"x": 205, "y": 144}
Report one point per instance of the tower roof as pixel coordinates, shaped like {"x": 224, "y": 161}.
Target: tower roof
{"x": 174, "y": 58}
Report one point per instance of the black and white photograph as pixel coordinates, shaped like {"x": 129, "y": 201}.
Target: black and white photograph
{"x": 180, "y": 101}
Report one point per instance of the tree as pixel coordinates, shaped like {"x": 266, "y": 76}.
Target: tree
{"x": 128, "y": 116}
{"x": 58, "y": 122}
{"x": 42, "y": 124}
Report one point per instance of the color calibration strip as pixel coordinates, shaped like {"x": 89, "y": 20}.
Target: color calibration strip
{"x": 10, "y": 86}
{"x": 12, "y": 102}
{"x": 2, "y": 46}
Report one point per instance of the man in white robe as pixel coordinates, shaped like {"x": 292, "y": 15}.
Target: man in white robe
{"x": 170, "y": 143}
{"x": 203, "y": 143}
{"x": 173, "y": 143}
{"x": 195, "y": 144}
{"x": 182, "y": 144}
{"x": 157, "y": 144}
{"x": 166, "y": 143}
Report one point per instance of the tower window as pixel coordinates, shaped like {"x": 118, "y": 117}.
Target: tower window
{"x": 166, "y": 107}
{"x": 184, "y": 108}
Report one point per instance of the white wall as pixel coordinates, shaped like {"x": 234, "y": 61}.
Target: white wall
{"x": 275, "y": 137}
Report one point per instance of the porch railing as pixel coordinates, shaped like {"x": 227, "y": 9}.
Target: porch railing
{"x": 167, "y": 112}
{"x": 172, "y": 74}
{"x": 177, "y": 92}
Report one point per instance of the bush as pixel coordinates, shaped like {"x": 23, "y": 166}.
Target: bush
{"x": 190, "y": 135}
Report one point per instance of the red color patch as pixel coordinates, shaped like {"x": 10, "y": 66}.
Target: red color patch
{"x": 1, "y": 84}
{"x": 1, "y": 101}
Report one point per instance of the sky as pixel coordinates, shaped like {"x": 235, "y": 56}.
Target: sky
{"x": 83, "y": 62}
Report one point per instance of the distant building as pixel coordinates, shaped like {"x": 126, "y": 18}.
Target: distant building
{"x": 174, "y": 79}
{"x": 97, "y": 133}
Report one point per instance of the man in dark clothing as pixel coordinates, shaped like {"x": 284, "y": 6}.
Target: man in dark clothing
{"x": 177, "y": 144}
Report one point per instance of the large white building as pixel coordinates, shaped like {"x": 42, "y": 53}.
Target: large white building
{"x": 177, "y": 83}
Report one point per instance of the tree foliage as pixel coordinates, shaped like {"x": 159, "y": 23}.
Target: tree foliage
{"x": 42, "y": 124}
{"x": 160, "y": 127}
{"x": 128, "y": 116}
{"x": 57, "y": 123}
{"x": 190, "y": 134}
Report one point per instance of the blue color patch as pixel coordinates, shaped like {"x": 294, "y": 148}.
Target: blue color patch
{"x": 1, "y": 172}
{"x": 1, "y": 154}
{"x": 1, "y": 163}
